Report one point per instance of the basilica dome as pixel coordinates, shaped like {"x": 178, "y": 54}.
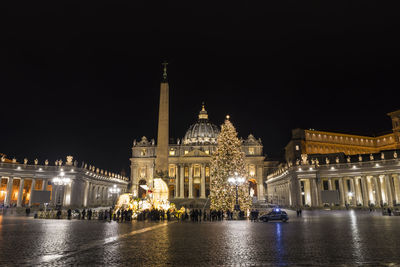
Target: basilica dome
{"x": 202, "y": 132}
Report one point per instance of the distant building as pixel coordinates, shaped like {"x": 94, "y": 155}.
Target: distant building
{"x": 322, "y": 142}
{"x": 327, "y": 168}
{"x": 66, "y": 185}
{"x": 189, "y": 161}
{"x": 180, "y": 171}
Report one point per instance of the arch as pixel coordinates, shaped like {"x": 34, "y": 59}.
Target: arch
{"x": 253, "y": 187}
{"x": 142, "y": 191}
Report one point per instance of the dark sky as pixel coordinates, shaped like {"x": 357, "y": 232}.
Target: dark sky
{"x": 84, "y": 79}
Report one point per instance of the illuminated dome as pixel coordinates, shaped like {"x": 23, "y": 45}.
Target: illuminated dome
{"x": 202, "y": 132}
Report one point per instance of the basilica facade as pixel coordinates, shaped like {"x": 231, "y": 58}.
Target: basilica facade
{"x": 189, "y": 158}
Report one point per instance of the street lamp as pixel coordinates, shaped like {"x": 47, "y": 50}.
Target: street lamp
{"x": 236, "y": 181}
{"x": 60, "y": 181}
{"x": 114, "y": 191}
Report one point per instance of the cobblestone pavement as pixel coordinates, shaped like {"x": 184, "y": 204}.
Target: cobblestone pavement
{"x": 318, "y": 238}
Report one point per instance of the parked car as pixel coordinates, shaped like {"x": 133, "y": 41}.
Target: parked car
{"x": 275, "y": 215}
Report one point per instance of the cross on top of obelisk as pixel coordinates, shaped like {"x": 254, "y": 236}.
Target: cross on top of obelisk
{"x": 165, "y": 63}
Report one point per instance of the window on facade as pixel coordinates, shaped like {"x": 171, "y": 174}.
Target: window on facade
{"x": 186, "y": 172}
{"x": 171, "y": 171}
{"x": 142, "y": 172}
{"x": 196, "y": 171}
{"x": 172, "y": 152}
{"x": 143, "y": 152}
{"x": 337, "y": 185}
{"x": 207, "y": 152}
{"x": 186, "y": 152}
{"x": 326, "y": 185}
{"x": 252, "y": 170}
{"x": 207, "y": 171}
{"x": 251, "y": 150}
{"x": 297, "y": 148}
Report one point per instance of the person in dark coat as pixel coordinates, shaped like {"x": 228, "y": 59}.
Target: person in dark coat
{"x": 69, "y": 212}
{"x": 28, "y": 211}
{"x": 83, "y": 214}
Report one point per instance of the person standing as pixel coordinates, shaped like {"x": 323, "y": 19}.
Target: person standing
{"x": 83, "y": 214}
{"x": 28, "y": 211}
{"x": 59, "y": 214}
{"x": 69, "y": 212}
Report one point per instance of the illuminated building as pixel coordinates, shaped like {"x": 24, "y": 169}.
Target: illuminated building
{"x": 326, "y": 168}
{"x": 62, "y": 185}
{"x": 186, "y": 179}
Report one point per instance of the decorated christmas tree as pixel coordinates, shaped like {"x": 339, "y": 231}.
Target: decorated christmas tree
{"x": 226, "y": 162}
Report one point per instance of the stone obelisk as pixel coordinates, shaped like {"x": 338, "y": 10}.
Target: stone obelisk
{"x": 163, "y": 128}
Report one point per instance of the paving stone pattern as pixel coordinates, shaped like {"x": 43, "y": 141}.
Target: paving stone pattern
{"x": 318, "y": 238}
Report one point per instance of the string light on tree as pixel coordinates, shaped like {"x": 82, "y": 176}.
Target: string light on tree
{"x": 228, "y": 162}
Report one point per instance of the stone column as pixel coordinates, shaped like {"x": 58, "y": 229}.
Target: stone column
{"x": 86, "y": 194}
{"x": 134, "y": 177}
{"x": 20, "y": 192}
{"x": 357, "y": 190}
{"x": 341, "y": 189}
{"x": 353, "y": 190}
{"x": 330, "y": 184}
{"x": 182, "y": 184}
{"x": 300, "y": 195}
{"x": 31, "y": 191}
{"x": 365, "y": 195}
{"x": 7, "y": 199}
{"x": 396, "y": 182}
{"x": 388, "y": 191}
{"x": 319, "y": 191}
{"x": 377, "y": 192}
{"x": 176, "y": 181}
{"x": 53, "y": 194}
{"x": 191, "y": 181}
{"x": 89, "y": 195}
{"x": 260, "y": 185}
{"x": 203, "y": 181}
{"x": 313, "y": 188}
{"x": 43, "y": 184}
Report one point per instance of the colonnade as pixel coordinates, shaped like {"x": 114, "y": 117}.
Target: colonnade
{"x": 365, "y": 190}
{"x": 98, "y": 195}
{"x": 19, "y": 190}
{"x": 180, "y": 181}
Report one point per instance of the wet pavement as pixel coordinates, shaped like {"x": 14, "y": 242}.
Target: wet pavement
{"x": 318, "y": 238}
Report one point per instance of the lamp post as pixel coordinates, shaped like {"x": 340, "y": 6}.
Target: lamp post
{"x": 60, "y": 181}
{"x": 236, "y": 181}
{"x": 114, "y": 191}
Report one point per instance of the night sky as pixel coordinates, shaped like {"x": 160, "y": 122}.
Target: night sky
{"x": 83, "y": 80}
